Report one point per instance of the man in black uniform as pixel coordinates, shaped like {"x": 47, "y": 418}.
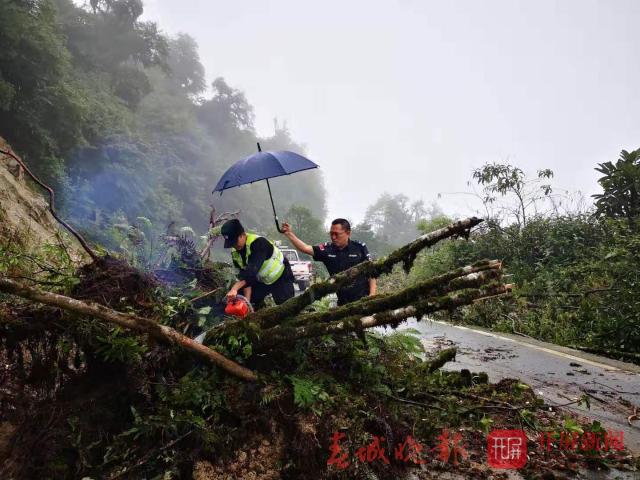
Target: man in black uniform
{"x": 263, "y": 269}
{"x": 339, "y": 255}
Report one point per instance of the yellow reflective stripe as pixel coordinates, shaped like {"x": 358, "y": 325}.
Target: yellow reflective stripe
{"x": 273, "y": 273}
{"x": 271, "y": 269}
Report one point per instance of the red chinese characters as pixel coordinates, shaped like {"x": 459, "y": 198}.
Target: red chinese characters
{"x": 373, "y": 452}
{"x": 410, "y": 450}
{"x": 585, "y": 441}
{"x": 337, "y": 457}
{"x": 507, "y": 449}
{"x": 450, "y": 447}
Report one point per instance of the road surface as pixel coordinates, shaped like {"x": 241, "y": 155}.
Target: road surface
{"x": 557, "y": 374}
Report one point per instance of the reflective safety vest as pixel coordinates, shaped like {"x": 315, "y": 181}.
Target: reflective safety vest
{"x": 271, "y": 269}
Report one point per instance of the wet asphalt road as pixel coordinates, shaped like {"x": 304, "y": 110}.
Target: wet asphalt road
{"x": 557, "y": 374}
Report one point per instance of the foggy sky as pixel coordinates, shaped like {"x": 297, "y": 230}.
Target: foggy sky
{"x": 409, "y": 96}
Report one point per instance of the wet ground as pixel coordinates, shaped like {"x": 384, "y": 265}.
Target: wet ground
{"x": 557, "y": 374}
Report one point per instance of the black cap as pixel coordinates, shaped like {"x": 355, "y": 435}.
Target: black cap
{"x": 231, "y": 230}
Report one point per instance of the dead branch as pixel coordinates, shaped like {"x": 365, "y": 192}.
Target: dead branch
{"x": 472, "y": 276}
{"x": 52, "y": 208}
{"x": 200, "y": 297}
{"x": 131, "y": 322}
{"x": 214, "y": 222}
{"x": 417, "y": 404}
{"x": 447, "y": 355}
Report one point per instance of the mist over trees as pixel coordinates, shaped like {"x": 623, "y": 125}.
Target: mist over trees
{"x": 118, "y": 117}
{"x": 391, "y": 221}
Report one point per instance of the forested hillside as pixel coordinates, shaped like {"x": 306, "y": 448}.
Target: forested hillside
{"x": 119, "y": 118}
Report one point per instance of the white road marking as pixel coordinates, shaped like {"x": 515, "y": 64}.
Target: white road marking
{"x": 535, "y": 347}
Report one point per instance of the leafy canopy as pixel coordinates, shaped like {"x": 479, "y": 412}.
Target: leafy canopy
{"x": 621, "y": 187}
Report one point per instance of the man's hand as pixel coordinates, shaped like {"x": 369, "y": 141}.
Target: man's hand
{"x": 286, "y": 229}
{"x": 232, "y": 294}
{"x": 299, "y": 244}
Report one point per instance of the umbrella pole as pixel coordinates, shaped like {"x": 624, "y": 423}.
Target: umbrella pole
{"x": 275, "y": 215}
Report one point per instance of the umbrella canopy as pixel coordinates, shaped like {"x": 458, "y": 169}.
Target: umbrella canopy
{"x": 263, "y": 166}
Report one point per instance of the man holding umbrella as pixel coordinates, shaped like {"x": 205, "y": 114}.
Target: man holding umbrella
{"x": 339, "y": 255}
{"x": 263, "y": 268}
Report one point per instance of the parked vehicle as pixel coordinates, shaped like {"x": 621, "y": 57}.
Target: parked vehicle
{"x": 302, "y": 269}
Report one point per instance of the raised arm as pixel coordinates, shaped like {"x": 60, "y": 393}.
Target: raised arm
{"x": 299, "y": 244}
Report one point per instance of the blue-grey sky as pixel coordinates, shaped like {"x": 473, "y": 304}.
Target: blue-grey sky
{"x": 409, "y": 96}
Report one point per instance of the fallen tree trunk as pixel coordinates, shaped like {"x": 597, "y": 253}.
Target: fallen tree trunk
{"x": 281, "y": 334}
{"x": 269, "y": 317}
{"x": 472, "y": 276}
{"x": 131, "y": 322}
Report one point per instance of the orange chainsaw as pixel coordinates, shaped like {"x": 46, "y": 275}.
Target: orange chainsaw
{"x": 238, "y": 307}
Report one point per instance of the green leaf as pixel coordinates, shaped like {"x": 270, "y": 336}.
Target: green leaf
{"x": 486, "y": 422}
{"x": 571, "y": 425}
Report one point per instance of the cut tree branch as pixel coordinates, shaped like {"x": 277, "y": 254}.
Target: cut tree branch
{"x": 269, "y": 317}
{"x": 131, "y": 322}
{"x": 472, "y": 276}
{"x": 283, "y": 334}
{"x": 447, "y": 355}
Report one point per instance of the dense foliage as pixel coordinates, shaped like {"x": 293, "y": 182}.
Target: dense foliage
{"x": 117, "y": 115}
{"x": 577, "y": 275}
{"x": 621, "y": 187}
{"x": 92, "y": 400}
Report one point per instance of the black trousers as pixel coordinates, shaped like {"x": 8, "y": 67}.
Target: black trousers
{"x": 281, "y": 290}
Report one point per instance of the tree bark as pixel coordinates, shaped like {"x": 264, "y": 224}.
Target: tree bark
{"x": 131, "y": 322}
{"x": 447, "y": 355}
{"x": 472, "y": 276}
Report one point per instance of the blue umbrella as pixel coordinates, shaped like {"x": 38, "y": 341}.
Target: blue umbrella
{"x": 263, "y": 166}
